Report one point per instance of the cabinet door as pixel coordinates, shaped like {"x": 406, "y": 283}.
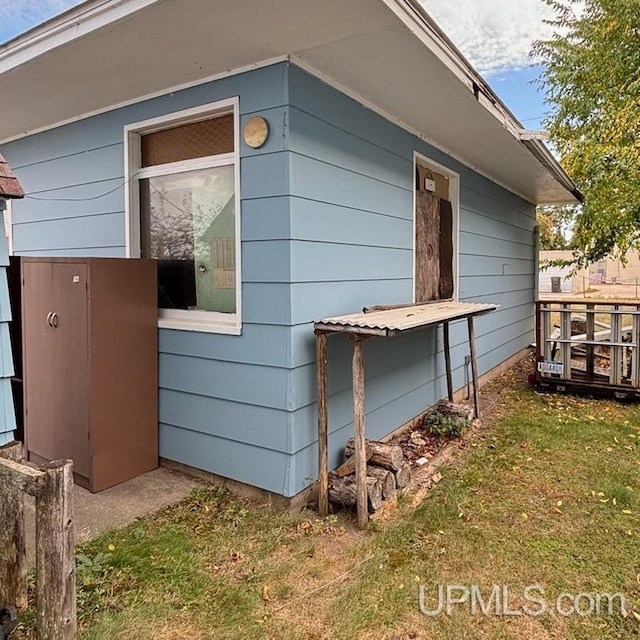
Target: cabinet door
{"x": 71, "y": 364}
{"x": 39, "y": 353}
{"x": 57, "y": 370}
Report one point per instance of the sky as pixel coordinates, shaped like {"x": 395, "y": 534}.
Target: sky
{"x": 495, "y": 35}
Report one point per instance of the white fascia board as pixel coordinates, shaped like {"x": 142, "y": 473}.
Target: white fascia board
{"x": 60, "y": 30}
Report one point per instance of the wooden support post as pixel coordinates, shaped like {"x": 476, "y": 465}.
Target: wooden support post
{"x": 359, "y": 430}
{"x": 474, "y": 367}
{"x": 13, "y": 555}
{"x": 323, "y": 432}
{"x": 55, "y": 555}
{"x": 447, "y": 360}
{"x": 538, "y": 330}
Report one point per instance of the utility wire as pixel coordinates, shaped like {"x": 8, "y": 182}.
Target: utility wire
{"x": 102, "y": 195}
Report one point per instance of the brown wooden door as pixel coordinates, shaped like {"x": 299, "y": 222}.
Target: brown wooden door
{"x": 57, "y": 362}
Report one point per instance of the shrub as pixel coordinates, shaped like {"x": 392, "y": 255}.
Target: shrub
{"x": 446, "y": 426}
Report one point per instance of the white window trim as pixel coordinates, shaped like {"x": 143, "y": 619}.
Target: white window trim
{"x": 454, "y": 197}
{"x": 8, "y": 225}
{"x": 205, "y": 321}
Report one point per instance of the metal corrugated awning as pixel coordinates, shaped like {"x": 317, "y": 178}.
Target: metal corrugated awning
{"x": 391, "y": 321}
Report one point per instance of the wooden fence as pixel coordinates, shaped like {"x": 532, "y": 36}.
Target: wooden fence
{"x": 52, "y": 488}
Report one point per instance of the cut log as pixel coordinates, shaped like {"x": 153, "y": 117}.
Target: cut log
{"x": 344, "y": 491}
{"x": 387, "y": 481}
{"x": 454, "y": 410}
{"x": 403, "y": 476}
{"x": 349, "y": 466}
{"x": 384, "y": 455}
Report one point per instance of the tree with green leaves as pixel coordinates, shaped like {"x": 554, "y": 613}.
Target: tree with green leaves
{"x": 592, "y": 80}
{"x": 554, "y": 224}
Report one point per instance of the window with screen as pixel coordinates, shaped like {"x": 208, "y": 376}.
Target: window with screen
{"x": 186, "y": 195}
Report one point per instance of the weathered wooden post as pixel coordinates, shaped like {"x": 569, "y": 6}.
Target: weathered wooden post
{"x": 359, "y": 430}
{"x": 55, "y": 555}
{"x": 447, "y": 359}
{"x": 474, "y": 366}
{"x": 323, "y": 434}
{"x": 13, "y": 564}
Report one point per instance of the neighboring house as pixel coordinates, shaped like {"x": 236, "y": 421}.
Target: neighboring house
{"x": 127, "y": 122}
{"x": 10, "y": 188}
{"x": 554, "y": 279}
{"x": 612, "y": 269}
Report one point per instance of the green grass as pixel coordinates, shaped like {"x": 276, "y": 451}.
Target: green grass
{"x": 549, "y": 493}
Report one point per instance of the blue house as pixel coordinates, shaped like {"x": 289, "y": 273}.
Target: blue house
{"x": 270, "y": 155}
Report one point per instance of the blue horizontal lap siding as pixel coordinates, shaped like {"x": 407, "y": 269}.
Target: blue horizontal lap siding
{"x": 105, "y": 230}
{"x": 7, "y": 411}
{"x": 222, "y": 399}
{"x": 351, "y": 179}
{"x": 327, "y": 227}
{"x": 228, "y": 458}
{"x": 349, "y": 226}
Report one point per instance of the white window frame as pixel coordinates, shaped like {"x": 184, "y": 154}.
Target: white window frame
{"x": 8, "y": 224}
{"x": 454, "y": 198}
{"x": 182, "y": 319}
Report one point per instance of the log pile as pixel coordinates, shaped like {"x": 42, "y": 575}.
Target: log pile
{"x": 387, "y": 473}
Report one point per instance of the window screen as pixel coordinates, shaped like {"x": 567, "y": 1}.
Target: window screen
{"x": 188, "y": 141}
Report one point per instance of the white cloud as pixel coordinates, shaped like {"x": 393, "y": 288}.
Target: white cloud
{"x": 495, "y": 35}
{"x": 17, "y": 16}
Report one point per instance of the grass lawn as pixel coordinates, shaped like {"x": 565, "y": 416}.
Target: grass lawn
{"x": 547, "y": 493}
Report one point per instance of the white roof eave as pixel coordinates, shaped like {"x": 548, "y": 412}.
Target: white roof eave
{"x": 388, "y": 54}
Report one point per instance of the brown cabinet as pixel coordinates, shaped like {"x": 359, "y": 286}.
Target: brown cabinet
{"x": 90, "y": 354}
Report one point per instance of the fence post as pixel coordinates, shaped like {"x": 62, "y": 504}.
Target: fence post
{"x": 55, "y": 557}
{"x": 13, "y": 556}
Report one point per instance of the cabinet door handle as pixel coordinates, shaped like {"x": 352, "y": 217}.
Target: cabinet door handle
{"x": 54, "y": 320}
{"x": 49, "y": 318}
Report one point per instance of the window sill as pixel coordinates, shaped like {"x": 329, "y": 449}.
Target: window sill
{"x": 231, "y": 328}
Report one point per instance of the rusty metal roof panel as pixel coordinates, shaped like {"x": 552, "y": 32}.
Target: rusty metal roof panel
{"x": 396, "y": 320}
